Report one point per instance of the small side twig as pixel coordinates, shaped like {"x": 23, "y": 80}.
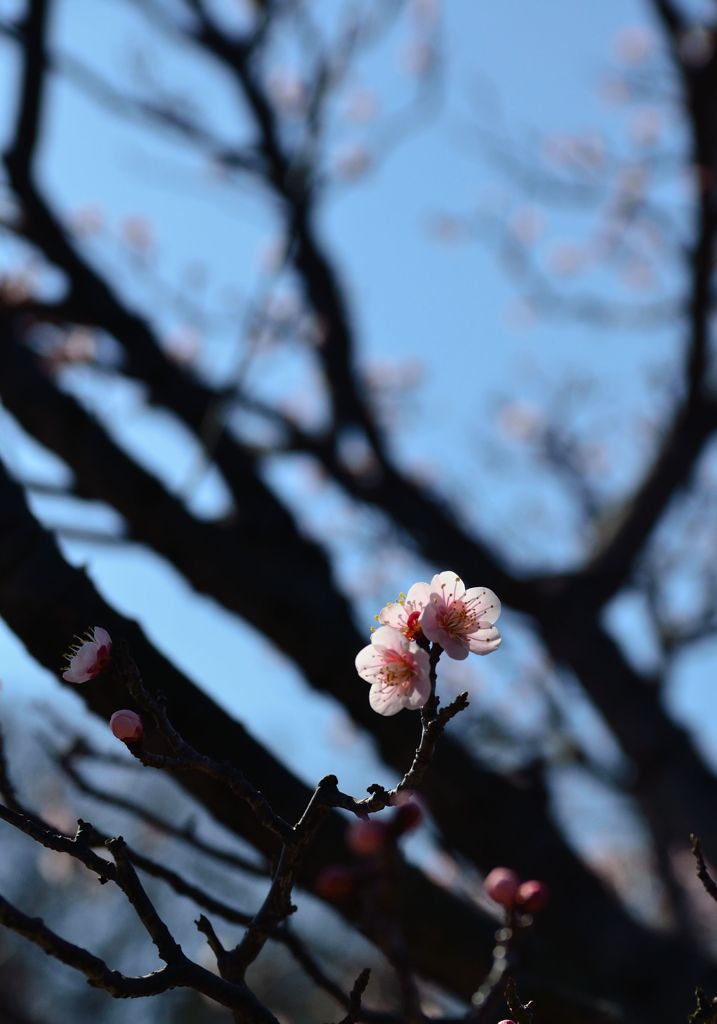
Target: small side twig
{"x": 522, "y": 1012}
{"x": 355, "y": 997}
{"x": 710, "y": 886}
{"x": 185, "y": 758}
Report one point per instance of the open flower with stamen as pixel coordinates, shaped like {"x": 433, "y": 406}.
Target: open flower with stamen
{"x": 89, "y": 657}
{"x": 405, "y": 614}
{"x": 398, "y": 670}
{"x": 461, "y": 620}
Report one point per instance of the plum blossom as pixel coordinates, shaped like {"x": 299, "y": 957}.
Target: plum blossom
{"x": 461, "y": 620}
{"x": 405, "y": 614}
{"x": 398, "y": 670}
{"x": 90, "y": 657}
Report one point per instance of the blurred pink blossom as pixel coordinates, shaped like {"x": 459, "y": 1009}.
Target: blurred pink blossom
{"x": 696, "y": 46}
{"x": 522, "y": 420}
{"x": 634, "y": 44}
{"x": 419, "y": 58}
{"x": 361, "y": 106}
{"x": 566, "y": 259}
{"x": 527, "y": 224}
{"x": 86, "y": 221}
{"x": 352, "y": 162}
{"x": 366, "y": 838}
{"x": 288, "y": 92}
{"x": 138, "y": 235}
{"x": 532, "y": 896}
{"x": 646, "y": 126}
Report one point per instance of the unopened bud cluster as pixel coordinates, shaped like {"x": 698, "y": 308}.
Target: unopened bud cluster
{"x": 504, "y": 886}
{"x": 369, "y": 840}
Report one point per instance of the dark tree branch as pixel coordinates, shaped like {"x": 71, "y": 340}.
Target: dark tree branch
{"x": 186, "y": 834}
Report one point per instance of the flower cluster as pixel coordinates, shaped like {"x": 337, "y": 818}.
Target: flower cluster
{"x": 504, "y": 886}
{"x": 373, "y": 843}
{"x": 443, "y": 612}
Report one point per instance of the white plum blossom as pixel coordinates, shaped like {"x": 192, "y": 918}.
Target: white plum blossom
{"x": 90, "y": 657}
{"x": 461, "y": 620}
{"x": 397, "y": 669}
{"x": 405, "y": 614}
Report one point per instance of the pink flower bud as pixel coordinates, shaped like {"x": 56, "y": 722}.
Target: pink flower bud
{"x": 335, "y": 882}
{"x": 367, "y": 838}
{"x": 407, "y": 817}
{"x": 506, "y": 1022}
{"x": 532, "y": 896}
{"x": 126, "y": 726}
{"x": 502, "y": 884}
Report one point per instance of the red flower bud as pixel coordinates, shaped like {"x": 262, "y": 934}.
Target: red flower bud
{"x": 407, "y": 817}
{"x": 367, "y": 838}
{"x": 126, "y": 726}
{"x": 335, "y": 882}
{"x": 532, "y": 896}
{"x": 502, "y": 885}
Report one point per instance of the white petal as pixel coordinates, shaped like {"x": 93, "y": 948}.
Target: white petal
{"x": 389, "y": 637}
{"x": 449, "y": 585}
{"x": 485, "y": 604}
{"x": 418, "y": 596}
{"x": 368, "y": 662}
{"x": 483, "y": 641}
{"x": 393, "y": 614}
{"x": 386, "y": 700}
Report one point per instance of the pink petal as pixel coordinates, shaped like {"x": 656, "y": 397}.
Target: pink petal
{"x": 453, "y": 646}
{"x": 429, "y": 621}
{"x": 368, "y": 662}
{"x": 419, "y": 694}
{"x": 393, "y": 614}
{"x": 102, "y": 637}
{"x": 83, "y": 664}
{"x": 422, "y": 661}
{"x": 419, "y": 595}
{"x": 483, "y": 641}
{"x": 70, "y": 675}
